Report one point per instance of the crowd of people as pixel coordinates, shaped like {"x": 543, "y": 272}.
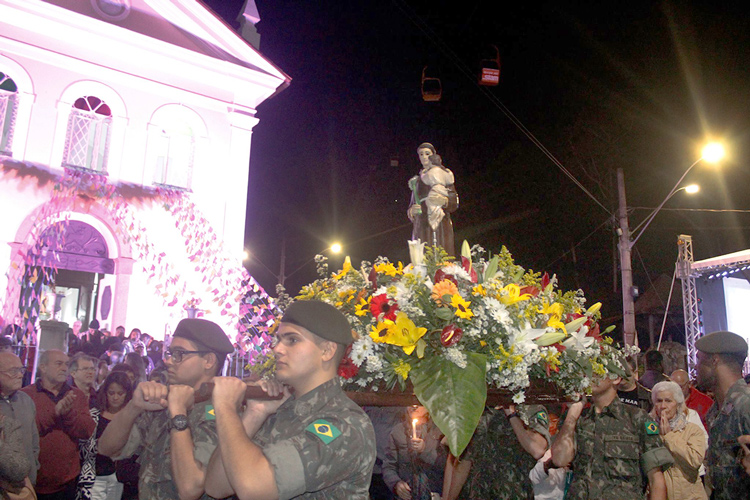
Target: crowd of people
{"x": 108, "y": 421}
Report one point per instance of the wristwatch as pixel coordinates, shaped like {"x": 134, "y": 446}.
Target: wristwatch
{"x": 178, "y": 423}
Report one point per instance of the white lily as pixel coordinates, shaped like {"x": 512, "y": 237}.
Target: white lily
{"x": 416, "y": 252}
{"x": 578, "y": 340}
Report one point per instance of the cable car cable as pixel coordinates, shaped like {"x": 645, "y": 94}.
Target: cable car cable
{"x": 414, "y": 18}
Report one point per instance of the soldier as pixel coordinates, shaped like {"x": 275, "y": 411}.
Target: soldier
{"x": 504, "y": 448}
{"x": 721, "y": 356}
{"x": 316, "y": 444}
{"x": 173, "y": 434}
{"x": 613, "y": 448}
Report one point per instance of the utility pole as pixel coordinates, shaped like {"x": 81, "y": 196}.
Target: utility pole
{"x": 282, "y": 277}
{"x": 626, "y": 267}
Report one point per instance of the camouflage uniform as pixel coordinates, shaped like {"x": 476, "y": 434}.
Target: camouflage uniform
{"x": 727, "y": 476}
{"x": 500, "y": 466}
{"x": 615, "y": 451}
{"x": 321, "y": 446}
{"x": 150, "y": 439}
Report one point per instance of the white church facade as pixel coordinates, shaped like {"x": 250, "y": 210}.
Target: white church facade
{"x": 125, "y": 136}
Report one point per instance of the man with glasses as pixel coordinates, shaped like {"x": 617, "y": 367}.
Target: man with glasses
{"x": 17, "y": 405}
{"x": 83, "y": 373}
{"x": 173, "y": 434}
{"x": 62, "y": 418}
{"x": 315, "y": 444}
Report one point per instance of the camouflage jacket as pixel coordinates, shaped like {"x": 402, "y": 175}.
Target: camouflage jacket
{"x": 500, "y": 466}
{"x": 321, "y": 446}
{"x": 725, "y": 425}
{"x": 149, "y": 438}
{"x": 615, "y": 449}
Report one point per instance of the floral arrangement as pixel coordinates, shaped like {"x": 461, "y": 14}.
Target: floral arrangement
{"x": 453, "y": 328}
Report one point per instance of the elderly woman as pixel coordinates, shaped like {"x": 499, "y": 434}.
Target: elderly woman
{"x": 685, "y": 440}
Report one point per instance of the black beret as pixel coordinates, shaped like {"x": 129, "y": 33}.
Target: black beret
{"x": 320, "y": 318}
{"x": 204, "y": 333}
{"x": 722, "y": 342}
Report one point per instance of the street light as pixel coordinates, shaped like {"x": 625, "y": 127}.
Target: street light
{"x": 711, "y": 153}
{"x": 334, "y": 248}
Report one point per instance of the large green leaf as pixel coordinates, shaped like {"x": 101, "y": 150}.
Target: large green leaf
{"x": 454, "y": 396}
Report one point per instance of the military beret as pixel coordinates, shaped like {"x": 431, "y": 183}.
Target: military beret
{"x": 722, "y": 343}
{"x": 204, "y": 333}
{"x": 320, "y": 318}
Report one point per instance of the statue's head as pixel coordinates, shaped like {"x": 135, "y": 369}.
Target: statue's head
{"x": 424, "y": 151}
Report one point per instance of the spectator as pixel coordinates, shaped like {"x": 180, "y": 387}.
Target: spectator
{"x": 102, "y": 370}
{"x": 135, "y": 361}
{"x": 129, "y": 371}
{"x": 614, "y": 448}
{"x": 98, "y": 479}
{"x": 120, "y": 333}
{"x": 6, "y": 344}
{"x": 694, "y": 399}
{"x": 630, "y": 391}
{"x": 654, "y": 370}
{"x": 14, "y": 463}
{"x": 140, "y": 350}
{"x": 721, "y": 356}
{"x": 62, "y": 417}
{"x": 83, "y": 374}
{"x": 496, "y": 464}
{"x": 109, "y": 354}
{"x": 548, "y": 480}
{"x": 384, "y": 419}
{"x": 17, "y": 405}
{"x": 414, "y": 458}
{"x": 684, "y": 440}
{"x": 155, "y": 352}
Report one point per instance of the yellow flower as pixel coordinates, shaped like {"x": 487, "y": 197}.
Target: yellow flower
{"x": 479, "y": 290}
{"x": 345, "y": 269}
{"x": 462, "y": 307}
{"x": 362, "y": 308}
{"x": 512, "y": 295}
{"x": 402, "y": 368}
{"x": 444, "y": 287}
{"x": 555, "y": 311}
{"x": 389, "y": 269}
{"x": 403, "y": 332}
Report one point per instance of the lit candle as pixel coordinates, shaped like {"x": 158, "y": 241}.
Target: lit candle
{"x": 414, "y": 428}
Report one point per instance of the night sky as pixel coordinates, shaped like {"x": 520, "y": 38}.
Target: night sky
{"x": 638, "y": 86}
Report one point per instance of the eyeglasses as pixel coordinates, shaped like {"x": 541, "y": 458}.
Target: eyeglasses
{"x": 18, "y": 371}
{"x": 178, "y": 355}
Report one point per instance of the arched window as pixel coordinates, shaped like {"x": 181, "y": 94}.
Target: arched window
{"x": 87, "y": 140}
{"x": 175, "y": 133}
{"x": 8, "y": 105}
{"x": 174, "y": 152}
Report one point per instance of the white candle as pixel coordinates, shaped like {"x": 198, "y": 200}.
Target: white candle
{"x": 414, "y": 428}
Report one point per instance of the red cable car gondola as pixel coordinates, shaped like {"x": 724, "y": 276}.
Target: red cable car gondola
{"x": 489, "y": 71}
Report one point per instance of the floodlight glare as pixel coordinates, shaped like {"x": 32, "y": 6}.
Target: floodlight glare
{"x": 692, "y": 188}
{"x": 713, "y": 152}
{"x": 336, "y": 248}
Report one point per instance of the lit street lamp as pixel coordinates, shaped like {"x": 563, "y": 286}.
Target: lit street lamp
{"x": 712, "y": 153}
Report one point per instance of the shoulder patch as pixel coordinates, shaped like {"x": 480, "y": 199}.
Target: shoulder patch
{"x": 652, "y": 428}
{"x": 210, "y": 412}
{"x": 542, "y": 417}
{"x": 324, "y": 430}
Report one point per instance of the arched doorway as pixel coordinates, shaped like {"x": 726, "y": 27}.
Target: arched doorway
{"x": 72, "y": 257}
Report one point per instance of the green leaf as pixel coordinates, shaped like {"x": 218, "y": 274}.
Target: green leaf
{"x": 491, "y": 269}
{"x": 444, "y": 313}
{"x": 455, "y": 397}
{"x": 421, "y": 345}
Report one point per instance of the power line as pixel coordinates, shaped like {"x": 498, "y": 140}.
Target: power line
{"x": 564, "y": 254}
{"x": 466, "y": 71}
{"x": 711, "y": 210}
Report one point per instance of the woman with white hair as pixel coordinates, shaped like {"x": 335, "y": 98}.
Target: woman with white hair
{"x": 683, "y": 439}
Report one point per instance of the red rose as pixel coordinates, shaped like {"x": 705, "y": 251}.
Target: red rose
{"x": 441, "y": 275}
{"x": 347, "y": 368}
{"x": 451, "y": 335}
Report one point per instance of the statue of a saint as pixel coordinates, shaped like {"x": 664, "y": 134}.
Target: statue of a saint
{"x": 433, "y": 199}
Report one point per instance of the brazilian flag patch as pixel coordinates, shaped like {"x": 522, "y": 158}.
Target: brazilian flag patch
{"x": 324, "y": 430}
{"x": 652, "y": 428}
{"x": 210, "y": 412}
{"x": 542, "y": 417}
